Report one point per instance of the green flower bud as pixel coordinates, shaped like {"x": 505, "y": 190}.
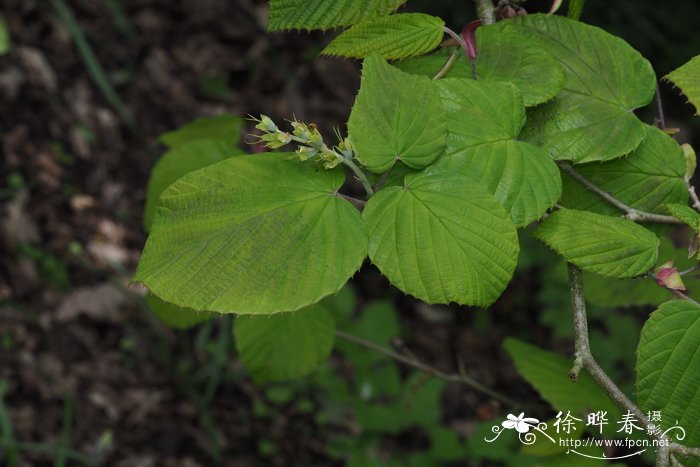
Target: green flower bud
{"x": 306, "y": 152}
{"x": 266, "y": 124}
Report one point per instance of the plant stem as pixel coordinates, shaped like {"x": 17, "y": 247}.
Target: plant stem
{"x": 485, "y": 11}
{"x": 693, "y": 197}
{"x": 446, "y": 67}
{"x": 584, "y": 360}
{"x": 660, "y": 108}
{"x": 415, "y": 363}
{"x": 630, "y": 212}
{"x": 360, "y": 175}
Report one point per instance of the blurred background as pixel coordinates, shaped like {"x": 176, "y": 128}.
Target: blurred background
{"x": 89, "y": 377}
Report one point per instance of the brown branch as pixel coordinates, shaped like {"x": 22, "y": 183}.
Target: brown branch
{"x": 630, "y": 213}
{"x": 415, "y": 363}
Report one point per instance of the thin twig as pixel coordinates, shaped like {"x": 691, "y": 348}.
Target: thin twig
{"x": 446, "y": 67}
{"x": 485, "y": 11}
{"x": 683, "y": 296}
{"x": 693, "y": 197}
{"x": 690, "y": 270}
{"x": 382, "y": 179}
{"x": 584, "y": 360}
{"x": 660, "y": 108}
{"x": 630, "y": 212}
{"x": 448, "y": 377}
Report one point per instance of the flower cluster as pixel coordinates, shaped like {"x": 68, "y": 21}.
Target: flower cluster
{"x": 310, "y": 141}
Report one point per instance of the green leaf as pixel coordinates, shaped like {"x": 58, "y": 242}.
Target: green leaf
{"x": 224, "y": 127}
{"x": 667, "y": 367}
{"x": 396, "y": 116}
{"x": 591, "y": 119}
{"x": 442, "y": 239}
{"x": 647, "y": 179}
{"x": 253, "y": 234}
{"x": 548, "y": 373}
{"x": 483, "y": 120}
{"x": 284, "y": 345}
{"x": 179, "y": 161}
{"x": 687, "y": 78}
{"x": 175, "y": 316}
{"x": 605, "y": 245}
{"x": 392, "y": 37}
{"x": 503, "y": 57}
{"x": 685, "y": 214}
{"x": 324, "y": 14}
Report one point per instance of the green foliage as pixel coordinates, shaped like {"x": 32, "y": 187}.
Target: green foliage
{"x": 483, "y": 122}
{"x": 284, "y": 345}
{"x": 647, "y": 179}
{"x": 175, "y": 316}
{"x": 667, "y": 363}
{"x": 590, "y": 119}
{"x": 426, "y": 238}
{"x": 253, "y": 234}
{"x": 392, "y": 37}
{"x": 686, "y": 214}
{"x": 382, "y": 132}
{"x": 186, "y": 155}
{"x": 687, "y": 78}
{"x": 605, "y": 245}
{"x": 324, "y": 14}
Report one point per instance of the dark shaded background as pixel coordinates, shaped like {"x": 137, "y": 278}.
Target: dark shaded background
{"x": 72, "y": 185}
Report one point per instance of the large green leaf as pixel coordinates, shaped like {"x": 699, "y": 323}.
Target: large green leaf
{"x": 647, "y": 179}
{"x": 253, "y": 234}
{"x": 667, "y": 367}
{"x": 325, "y": 14}
{"x": 5, "y": 42}
{"x": 548, "y": 373}
{"x": 687, "y": 78}
{"x": 222, "y": 127}
{"x": 483, "y": 120}
{"x": 442, "y": 239}
{"x": 502, "y": 56}
{"x": 392, "y": 37}
{"x": 184, "y": 158}
{"x": 175, "y": 316}
{"x": 591, "y": 119}
{"x": 285, "y": 345}
{"x": 396, "y": 117}
{"x": 605, "y": 245}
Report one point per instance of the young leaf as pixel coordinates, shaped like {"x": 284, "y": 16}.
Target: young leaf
{"x": 253, "y": 234}
{"x": 392, "y": 37}
{"x": 222, "y": 127}
{"x": 605, "y": 245}
{"x": 325, "y": 14}
{"x": 687, "y": 78}
{"x": 548, "y": 373}
{"x": 396, "y": 116}
{"x": 483, "y": 120}
{"x": 175, "y": 316}
{"x": 647, "y": 179}
{"x": 591, "y": 119}
{"x": 442, "y": 239}
{"x": 284, "y": 345}
{"x": 667, "y": 367}
{"x": 184, "y": 158}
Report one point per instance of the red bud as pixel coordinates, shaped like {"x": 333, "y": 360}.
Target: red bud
{"x": 469, "y": 36}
